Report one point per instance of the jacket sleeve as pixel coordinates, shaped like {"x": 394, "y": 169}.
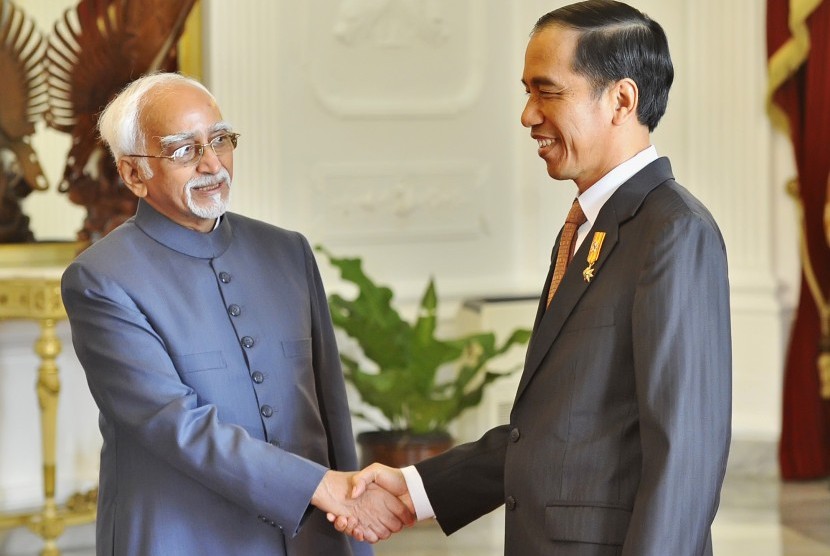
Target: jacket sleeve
{"x": 467, "y": 481}
{"x": 682, "y": 362}
{"x": 331, "y": 386}
{"x": 137, "y": 389}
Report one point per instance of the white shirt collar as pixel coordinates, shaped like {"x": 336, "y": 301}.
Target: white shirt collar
{"x": 593, "y": 199}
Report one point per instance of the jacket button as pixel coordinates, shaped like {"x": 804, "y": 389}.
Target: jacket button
{"x": 234, "y": 310}
{"x": 247, "y": 341}
{"x": 257, "y": 377}
{"x": 224, "y": 277}
{"x": 515, "y": 434}
{"x": 266, "y": 411}
{"x": 510, "y": 503}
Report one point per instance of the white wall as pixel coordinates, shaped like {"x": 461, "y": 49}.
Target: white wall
{"x": 390, "y": 130}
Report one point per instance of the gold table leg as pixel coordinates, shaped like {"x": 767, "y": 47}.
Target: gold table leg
{"x": 51, "y": 520}
{"x": 48, "y": 346}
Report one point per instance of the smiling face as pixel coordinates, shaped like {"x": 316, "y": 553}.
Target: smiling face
{"x": 573, "y": 126}
{"x": 191, "y": 195}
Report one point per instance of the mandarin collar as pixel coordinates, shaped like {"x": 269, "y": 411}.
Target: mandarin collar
{"x": 184, "y": 240}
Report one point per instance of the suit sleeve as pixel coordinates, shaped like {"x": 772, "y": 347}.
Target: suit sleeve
{"x": 467, "y": 481}
{"x": 682, "y": 362}
{"x": 331, "y": 387}
{"x": 137, "y": 389}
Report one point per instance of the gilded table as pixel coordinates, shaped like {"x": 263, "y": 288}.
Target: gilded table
{"x": 30, "y": 289}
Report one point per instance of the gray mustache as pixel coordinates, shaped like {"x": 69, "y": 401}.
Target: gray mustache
{"x": 216, "y": 179}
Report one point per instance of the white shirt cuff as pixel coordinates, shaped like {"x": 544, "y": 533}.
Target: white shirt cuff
{"x": 423, "y": 509}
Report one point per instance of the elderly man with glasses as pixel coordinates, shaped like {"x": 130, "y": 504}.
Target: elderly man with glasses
{"x": 208, "y": 348}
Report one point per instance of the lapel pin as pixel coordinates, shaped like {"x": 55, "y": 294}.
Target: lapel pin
{"x": 593, "y": 255}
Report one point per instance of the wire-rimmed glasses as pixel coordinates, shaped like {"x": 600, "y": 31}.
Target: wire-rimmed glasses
{"x": 191, "y": 154}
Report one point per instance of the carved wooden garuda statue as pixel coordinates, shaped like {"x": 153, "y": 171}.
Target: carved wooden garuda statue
{"x": 22, "y": 102}
{"x": 94, "y": 51}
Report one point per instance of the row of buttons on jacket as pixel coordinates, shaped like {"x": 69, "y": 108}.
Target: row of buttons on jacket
{"x": 248, "y": 342}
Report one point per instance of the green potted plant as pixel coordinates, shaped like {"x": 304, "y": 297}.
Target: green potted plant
{"x": 419, "y": 382}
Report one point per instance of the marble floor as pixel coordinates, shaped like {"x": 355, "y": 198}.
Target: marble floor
{"x": 757, "y": 517}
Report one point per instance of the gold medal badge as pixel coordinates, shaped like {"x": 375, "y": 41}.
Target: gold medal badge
{"x": 593, "y": 255}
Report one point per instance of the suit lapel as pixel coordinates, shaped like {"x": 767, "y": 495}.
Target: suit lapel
{"x": 540, "y": 311}
{"x": 622, "y": 206}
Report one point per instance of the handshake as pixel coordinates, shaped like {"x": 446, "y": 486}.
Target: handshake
{"x": 369, "y": 505}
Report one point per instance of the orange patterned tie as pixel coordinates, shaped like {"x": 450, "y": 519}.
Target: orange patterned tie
{"x": 575, "y": 219}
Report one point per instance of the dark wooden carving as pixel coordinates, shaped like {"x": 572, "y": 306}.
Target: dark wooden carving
{"x": 94, "y": 51}
{"x": 22, "y": 102}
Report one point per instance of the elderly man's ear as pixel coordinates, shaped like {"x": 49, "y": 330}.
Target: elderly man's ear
{"x": 132, "y": 176}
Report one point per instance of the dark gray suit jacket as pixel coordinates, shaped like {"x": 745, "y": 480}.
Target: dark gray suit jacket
{"x": 213, "y": 362}
{"x": 620, "y": 429}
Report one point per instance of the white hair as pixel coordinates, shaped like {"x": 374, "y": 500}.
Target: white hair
{"x": 119, "y": 122}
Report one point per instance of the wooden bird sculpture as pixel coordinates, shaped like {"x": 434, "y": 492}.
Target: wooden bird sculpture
{"x": 94, "y": 51}
{"x": 23, "y": 100}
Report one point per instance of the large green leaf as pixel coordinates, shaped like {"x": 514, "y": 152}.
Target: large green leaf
{"x": 405, "y": 387}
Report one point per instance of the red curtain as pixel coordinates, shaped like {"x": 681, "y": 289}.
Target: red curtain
{"x": 798, "y": 49}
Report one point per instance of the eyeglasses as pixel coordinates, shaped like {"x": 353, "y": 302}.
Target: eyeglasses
{"x": 191, "y": 154}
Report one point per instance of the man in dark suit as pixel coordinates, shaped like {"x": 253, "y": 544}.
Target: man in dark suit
{"x": 619, "y": 433}
{"x": 207, "y": 344}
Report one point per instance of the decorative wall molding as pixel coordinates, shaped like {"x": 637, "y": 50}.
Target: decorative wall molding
{"x": 392, "y": 203}
{"x": 401, "y": 58}
{"x": 391, "y": 23}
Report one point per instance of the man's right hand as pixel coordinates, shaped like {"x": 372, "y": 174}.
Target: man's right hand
{"x": 375, "y": 476}
{"x": 370, "y": 515}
